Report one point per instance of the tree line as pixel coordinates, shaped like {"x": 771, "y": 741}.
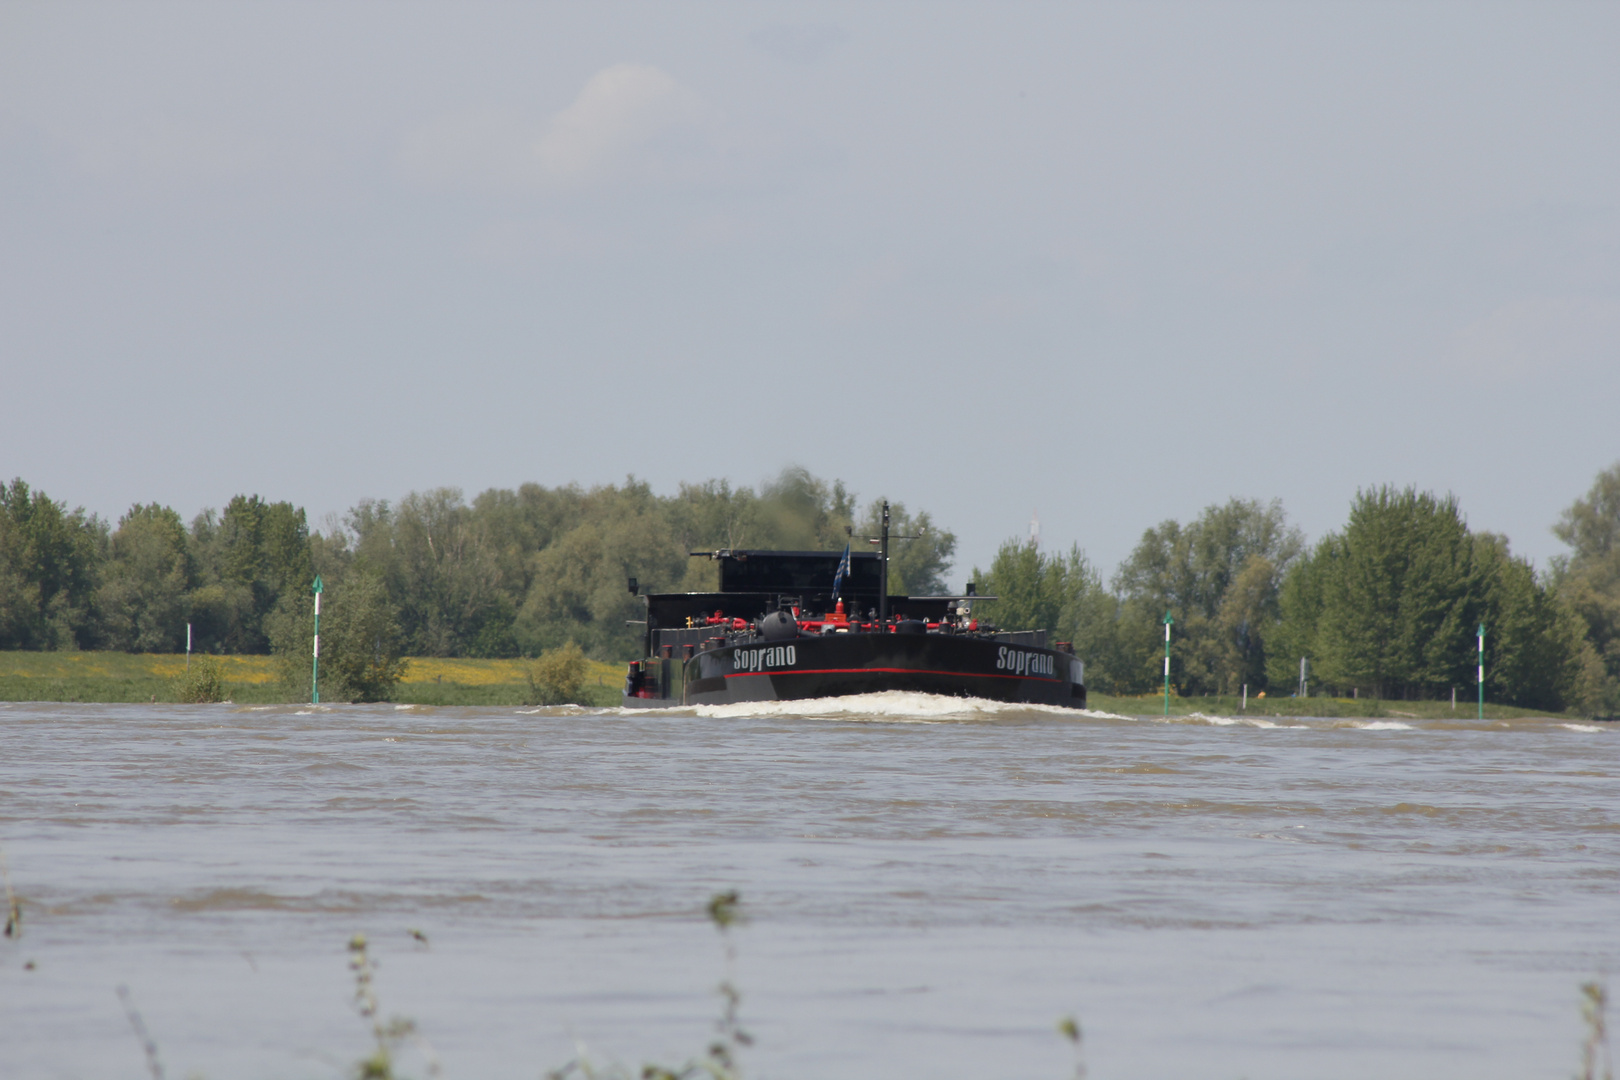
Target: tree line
{"x": 512, "y": 573}
{"x": 1386, "y": 606}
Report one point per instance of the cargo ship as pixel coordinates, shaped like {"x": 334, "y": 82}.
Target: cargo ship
{"x": 795, "y": 625}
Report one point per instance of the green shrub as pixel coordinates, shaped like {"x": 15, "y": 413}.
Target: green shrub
{"x": 558, "y": 677}
{"x": 360, "y": 642}
{"x": 201, "y": 682}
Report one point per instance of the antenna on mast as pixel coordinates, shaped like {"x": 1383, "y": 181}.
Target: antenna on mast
{"x": 882, "y": 539}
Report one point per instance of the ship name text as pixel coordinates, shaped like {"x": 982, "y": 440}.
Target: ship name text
{"x": 778, "y": 656}
{"x": 1020, "y": 662}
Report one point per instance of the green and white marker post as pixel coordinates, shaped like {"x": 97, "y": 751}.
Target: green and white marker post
{"x": 1167, "y": 621}
{"x": 315, "y": 663}
{"x": 1482, "y": 671}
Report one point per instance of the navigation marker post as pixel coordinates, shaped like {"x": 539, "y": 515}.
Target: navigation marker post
{"x": 1167, "y": 621}
{"x": 315, "y": 661}
{"x": 1482, "y": 671}
{"x": 188, "y": 646}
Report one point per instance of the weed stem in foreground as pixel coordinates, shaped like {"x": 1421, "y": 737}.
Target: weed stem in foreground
{"x": 154, "y": 1065}
{"x": 1069, "y": 1028}
{"x": 1594, "y": 1010}
{"x": 13, "y": 905}
{"x": 380, "y": 1064}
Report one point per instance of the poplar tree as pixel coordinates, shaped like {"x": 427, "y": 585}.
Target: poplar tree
{"x": 1587, "y": 582}
{"x": 1388, "y": 607}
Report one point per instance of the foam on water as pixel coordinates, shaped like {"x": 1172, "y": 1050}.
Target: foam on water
{"x": 1098, "y": 714}
{"x": 1580, "y": 727}
{"x": 890, "y": 706}
{"x": 1383, "y": 725}
{"x": 1231, "y": 721}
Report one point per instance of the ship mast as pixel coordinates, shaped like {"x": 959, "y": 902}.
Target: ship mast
{"x": 883, "y": 570}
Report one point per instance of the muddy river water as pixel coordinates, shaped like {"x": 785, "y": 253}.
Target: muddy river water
{"x": 930, "y": 885}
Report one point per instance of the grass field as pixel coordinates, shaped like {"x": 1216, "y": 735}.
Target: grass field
{"x": 135, "y": 677}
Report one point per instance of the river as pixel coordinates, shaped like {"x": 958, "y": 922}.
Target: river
{"x": 929, "y": 886}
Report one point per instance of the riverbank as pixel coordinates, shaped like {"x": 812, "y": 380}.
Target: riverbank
{"x": 1362, "y": 708}
{"x": 112, "y": 677}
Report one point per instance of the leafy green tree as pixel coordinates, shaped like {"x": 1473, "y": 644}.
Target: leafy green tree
{"x": 222, "y": 610}
{"x": 713, "y": 516}
{"x": 143, "y": 597}
{"x": 1300, "y": 603}
{"x": 1587, "y": 584}
{"x": 577, "y": 585}
{"x": 1030, "y": 586}
{"x": 247, "y": 557}
{"x": 1404, "y": 599}
{"x": 1060, "y": 593}
{"x": 515, "y": 572}
{"x": 1220, "y": 577}
{"x": 798, "y": 512}
{"x": 917, "y": 567}
{"x": 365, "y": 662}
{"x": 49, "y": 560}
{"x": 1532, "y": 647}
{"x": 361, "y": 658}
{"x": 793, "y": 512}
{"x": 447, "y": 570}
{"x": 1389, "y": 607}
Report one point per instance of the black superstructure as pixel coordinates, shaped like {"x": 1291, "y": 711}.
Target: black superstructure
{"x": 780, "y": 629}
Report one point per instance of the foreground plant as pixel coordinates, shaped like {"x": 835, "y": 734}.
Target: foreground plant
{"x": 13, "y": 905}
{"x": 1069, "y": 1028}
{"x": 391, "y": 1035}
{"x": 154, "y": 1063}
{"x": 1594, "y": 1010}
{"x": 720, "y": 1061}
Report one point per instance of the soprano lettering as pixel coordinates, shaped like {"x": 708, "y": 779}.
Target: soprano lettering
{"x": 779, "y": 656}
{"x": 1020, "y": 662}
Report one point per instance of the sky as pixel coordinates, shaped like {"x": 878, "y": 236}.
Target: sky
{"x": 1105, "y": 263}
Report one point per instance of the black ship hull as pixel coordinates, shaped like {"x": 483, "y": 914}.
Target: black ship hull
{"x": 840, "y": 664}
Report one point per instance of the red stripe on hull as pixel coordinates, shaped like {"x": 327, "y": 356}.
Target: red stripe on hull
{"x": 885, "y": 670}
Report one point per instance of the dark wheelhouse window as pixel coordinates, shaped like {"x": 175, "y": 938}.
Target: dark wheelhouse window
{"x": 796, "y": 572}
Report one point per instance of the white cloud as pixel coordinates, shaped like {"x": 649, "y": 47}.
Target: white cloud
{"x": 622, "y": 111}
{"x": 629, "y": 122}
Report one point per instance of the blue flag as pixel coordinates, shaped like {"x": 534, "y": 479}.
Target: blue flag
{"x": 843, "y": 571}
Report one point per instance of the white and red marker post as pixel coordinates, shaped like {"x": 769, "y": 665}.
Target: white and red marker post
{"x": 315, "y": 662}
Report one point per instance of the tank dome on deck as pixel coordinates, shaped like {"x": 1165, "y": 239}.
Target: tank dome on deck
{"x": 779, "y": 626}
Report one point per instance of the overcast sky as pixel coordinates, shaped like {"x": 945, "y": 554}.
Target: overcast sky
{"x": 1113, "y": 262}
